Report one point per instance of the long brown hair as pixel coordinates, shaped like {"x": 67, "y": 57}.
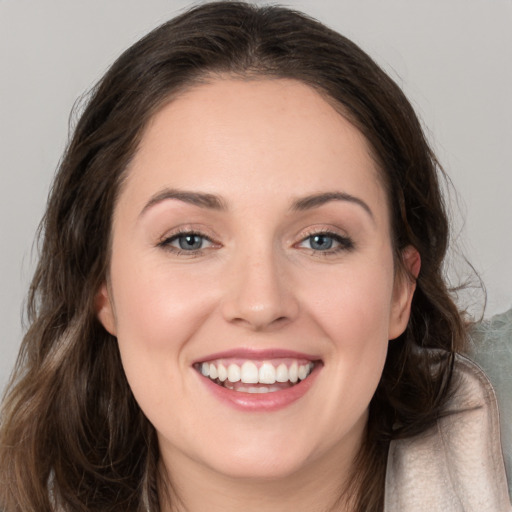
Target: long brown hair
{"x": 72, "y": 436}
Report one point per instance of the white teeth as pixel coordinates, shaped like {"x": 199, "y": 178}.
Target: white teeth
{"x": 303, "y": 371}
{"x": 223, "y": 373}
{"x": 233, "y": 373}
{"x": 249, "y": 373}
{"x": 282, "y": 373}
{"x": 267, "y": 374}
{"x": 293, "y": 373}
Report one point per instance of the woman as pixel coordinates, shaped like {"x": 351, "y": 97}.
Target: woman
{"x": 239, "y": 301}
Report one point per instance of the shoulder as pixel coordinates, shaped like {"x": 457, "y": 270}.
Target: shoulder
{"x": 490, "y": 346}
{"x": 457, "y": 465}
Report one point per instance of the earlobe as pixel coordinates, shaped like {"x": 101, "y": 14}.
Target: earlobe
{"x": 104, "y": 309}
{"x": 404, "y": 287}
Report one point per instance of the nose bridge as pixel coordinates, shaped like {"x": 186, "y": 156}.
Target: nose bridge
{"x": 259, "y": 295}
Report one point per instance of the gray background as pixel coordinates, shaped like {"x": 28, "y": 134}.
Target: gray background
{"x": 453, "y": 58}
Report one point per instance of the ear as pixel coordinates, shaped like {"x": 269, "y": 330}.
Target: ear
{"x": 403, "y": 291}
{"x": 105, "y": 310}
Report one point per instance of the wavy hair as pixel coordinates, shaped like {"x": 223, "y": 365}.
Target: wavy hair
{"x": 72, "y": 437}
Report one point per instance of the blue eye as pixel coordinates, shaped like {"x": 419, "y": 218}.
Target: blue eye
{"x": 190, "y": 242}
{"x": 186, "y": 242}
{"x": 321, "y": 242}
{"x": 327, "y": 243}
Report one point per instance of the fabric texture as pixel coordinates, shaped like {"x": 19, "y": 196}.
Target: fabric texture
{"x": 457, "y": 465}
{"x": 490, "y": 346}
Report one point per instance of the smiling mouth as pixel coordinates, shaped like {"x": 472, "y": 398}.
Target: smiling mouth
{"x": 256, "y": 376}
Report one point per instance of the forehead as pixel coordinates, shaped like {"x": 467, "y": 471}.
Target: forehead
{"x": 266, "y": 136}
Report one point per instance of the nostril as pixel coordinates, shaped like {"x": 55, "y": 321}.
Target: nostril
{"x": 259, "y": 319}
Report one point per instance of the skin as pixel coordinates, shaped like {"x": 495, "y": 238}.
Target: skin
{"x": 259, "y": 146}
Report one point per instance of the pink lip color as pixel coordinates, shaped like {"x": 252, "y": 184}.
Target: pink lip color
{"x": 261, "y": 402}
{"x": 245, "y": 353}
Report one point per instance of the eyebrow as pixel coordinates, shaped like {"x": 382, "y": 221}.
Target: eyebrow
{"x": 317, "y": 200}
{"x": 200, "y": 199}
{"x": 213, "y": 202}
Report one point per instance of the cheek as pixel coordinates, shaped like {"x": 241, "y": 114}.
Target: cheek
{"x": 156, "y": 307}
{"x": 354, "y": 315}
{"x": 353, "y": 304}
{"x": 157, "y": 313}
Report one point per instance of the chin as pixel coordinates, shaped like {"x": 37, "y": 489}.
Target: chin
{"x": 262, "y": 466}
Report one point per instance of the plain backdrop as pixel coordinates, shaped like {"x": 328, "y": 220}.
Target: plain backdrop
{"x": 453, "y": 58}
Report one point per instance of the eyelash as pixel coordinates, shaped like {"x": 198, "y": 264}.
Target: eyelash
{"x": 344, "y": 243}
{"x": 166, "y": 243}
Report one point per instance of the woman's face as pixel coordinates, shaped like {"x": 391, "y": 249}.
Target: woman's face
{"x": 251, "y": 241}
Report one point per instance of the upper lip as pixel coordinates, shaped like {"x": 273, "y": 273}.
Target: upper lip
{"x": 257, "y": 354}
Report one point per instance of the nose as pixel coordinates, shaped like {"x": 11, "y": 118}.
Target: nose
{"x": 259, "y": 293}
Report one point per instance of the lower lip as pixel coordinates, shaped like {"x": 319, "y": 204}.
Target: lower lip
{"x": 262, "y": 402}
